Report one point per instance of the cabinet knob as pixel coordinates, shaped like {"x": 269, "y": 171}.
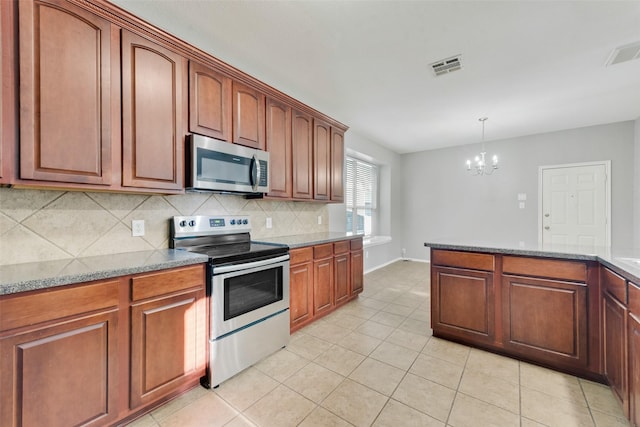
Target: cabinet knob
{"x": 547, "y": 227}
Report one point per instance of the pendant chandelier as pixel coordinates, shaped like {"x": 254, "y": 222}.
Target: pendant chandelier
{"x": 479, "y": 165}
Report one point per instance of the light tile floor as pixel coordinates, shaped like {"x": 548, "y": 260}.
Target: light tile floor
{"x": 373, "y": 362}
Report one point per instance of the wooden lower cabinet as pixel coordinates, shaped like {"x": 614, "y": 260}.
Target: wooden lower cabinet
{"x": 167, "y": 344}
{"x": 463, "y": 303}
{"x": 61, "y": 374}
{"x": 633, "y": 351}
{"x": 341, "y": 272}
{"x": 60, "y": 356}
{"x": 545, "y": 320}
{"x": 323, "y": 292}
{"x": 634, "y": 369}
{"x": 543, "y": 310}
{"x": 64, "y": 351}
{"x": 301, "y": 287}
{"x": 614, "y": 340}
{"x": 321, "y": 280}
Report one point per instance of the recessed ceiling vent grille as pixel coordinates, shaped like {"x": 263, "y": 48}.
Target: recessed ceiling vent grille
{"x": 447, "y": 66}
{"x": 624, "y": 53}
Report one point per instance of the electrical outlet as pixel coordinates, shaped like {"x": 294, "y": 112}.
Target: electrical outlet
{"x": 404, "y": 253}
{"x": 269, "y": 223}
{"x": 137, "y": 227}
{"x": 319, "y": 219}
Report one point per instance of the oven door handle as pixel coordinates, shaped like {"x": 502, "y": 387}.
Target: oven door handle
{"x": 247, "y": 265}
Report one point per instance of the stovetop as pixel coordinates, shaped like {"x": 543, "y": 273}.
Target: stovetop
{"x": 224, "y": 239}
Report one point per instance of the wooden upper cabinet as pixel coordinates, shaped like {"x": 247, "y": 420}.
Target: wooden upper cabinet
{"x": 69, "y": 64}
{"x": 321, "y": 160}
{"x": 337, "y": 165}
{"x": 209, "y": 102}
{"x": 248, "y": 116}
{"x": 8, "y": 105}
{"x": 153, "y": 117}
{"x": 302, "y": 149}
{"x": 279, "y": 147}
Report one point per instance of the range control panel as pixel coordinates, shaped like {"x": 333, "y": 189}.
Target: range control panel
{"x": 204, "y": 225}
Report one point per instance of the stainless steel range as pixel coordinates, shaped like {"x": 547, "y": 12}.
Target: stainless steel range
{"x": 248, "y": 287}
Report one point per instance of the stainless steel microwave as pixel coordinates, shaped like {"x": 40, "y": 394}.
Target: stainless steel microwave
{"x": 220, "y": 166}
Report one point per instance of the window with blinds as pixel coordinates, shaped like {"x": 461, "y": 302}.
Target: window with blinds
{"x": 360, "y": 198}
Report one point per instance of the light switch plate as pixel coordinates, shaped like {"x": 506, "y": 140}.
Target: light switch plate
{"x": 137, "y": 227}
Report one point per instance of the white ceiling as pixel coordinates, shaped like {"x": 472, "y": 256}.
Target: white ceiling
{"x": 529, "y": 66}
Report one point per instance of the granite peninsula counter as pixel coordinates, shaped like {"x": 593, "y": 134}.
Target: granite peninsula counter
{"x": 575, "y": 309}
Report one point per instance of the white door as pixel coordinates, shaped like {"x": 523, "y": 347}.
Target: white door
{"x": 575, "y": 204}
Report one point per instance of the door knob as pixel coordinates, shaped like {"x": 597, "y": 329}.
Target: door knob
{"x": 546, "y": 215}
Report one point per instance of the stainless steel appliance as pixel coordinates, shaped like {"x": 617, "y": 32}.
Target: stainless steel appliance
{"x": 248, "y": 287}
{"x": 220, "y": 166}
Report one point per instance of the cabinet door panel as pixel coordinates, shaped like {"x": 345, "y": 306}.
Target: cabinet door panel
{"x": 321, "y": 160}
{"x": 152, "y": 110}
{"x": 322, "y": 286}
{"x": 279, "y": 148}
{"x": 8, "y": 104}
{"x": 248, "y": 116}
{"x": 167, "y": 345}
{"x": 209, "y": 102}
{"x": 546, "y": 320}
{"x": 302, "y": 149}
{"x": 67, "y": 94}
{"x": 301, "y": 284}
{"x": 337, "y": 165}
{"x": 61, "y": 375}
{"x": 341, "y": 267}
{"x": 634, "y": 369}
{"x": 615, "y": 348}
{"x": 357, "y": 272}
{"x": 464, "y": 303}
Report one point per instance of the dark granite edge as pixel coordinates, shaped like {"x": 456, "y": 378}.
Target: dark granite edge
{"x": 514, "y": 251}
{"x": 184, "y": 259}
{"x": 310, "y": 239}
{"x": 608, "y": 262}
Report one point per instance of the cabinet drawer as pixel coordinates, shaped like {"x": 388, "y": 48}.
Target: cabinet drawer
{"x": 323, "y": 251}
{"x": 614, "y": 284}
{"x": 471, "y": 260}
{"x": 356, "y": 244}
{"x": 341, "y": 247}
{"x": 30, "y": 308}
{"x": 166, "y": 282}
{"x": 301, "y": 255}
{"x": 538, "y": 267}
{"x": 634, "y": 299}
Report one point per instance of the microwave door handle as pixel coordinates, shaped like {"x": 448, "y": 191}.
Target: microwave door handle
{"x": 255, "y": 173}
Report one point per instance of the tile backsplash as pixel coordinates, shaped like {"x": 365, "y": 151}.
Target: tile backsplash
{"x": 42, "y": 225}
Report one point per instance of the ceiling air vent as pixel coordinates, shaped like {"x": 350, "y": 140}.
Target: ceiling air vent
{"x": 446, "y": 66}
{"x": 624, "y": 53}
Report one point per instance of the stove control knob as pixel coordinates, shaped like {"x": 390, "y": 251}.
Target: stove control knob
{"x": 239, "y": 221}
{"x": 245, "y": 221}
{"x": 232, "y": 222}
{"x": 183, "y": 223}
{"x": 192, "y": 223}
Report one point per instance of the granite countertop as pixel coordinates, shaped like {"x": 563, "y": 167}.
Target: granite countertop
{"x": 40, "y": 275}
{"x": 625, "y": 261}
{"x": 301, "y": 240}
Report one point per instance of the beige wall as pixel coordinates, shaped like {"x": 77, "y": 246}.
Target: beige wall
{"x": 40, "y": 225}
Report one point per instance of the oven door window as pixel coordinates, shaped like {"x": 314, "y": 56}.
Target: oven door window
{"x": 248, "y": 292}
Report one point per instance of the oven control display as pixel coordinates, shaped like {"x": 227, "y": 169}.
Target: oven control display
{"x": 216, "y": 222}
